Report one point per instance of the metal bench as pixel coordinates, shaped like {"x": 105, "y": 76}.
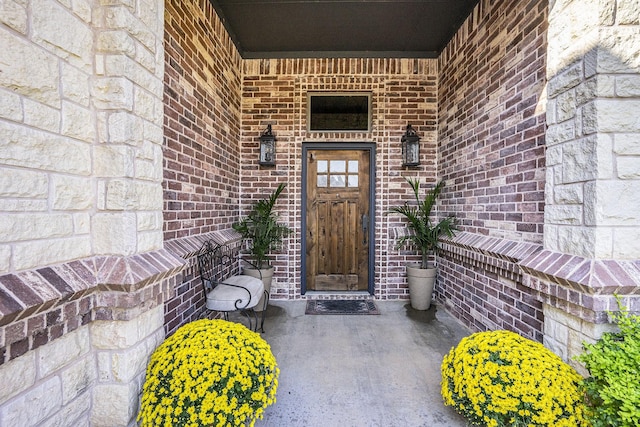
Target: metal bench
{"x": 226, "y": 292}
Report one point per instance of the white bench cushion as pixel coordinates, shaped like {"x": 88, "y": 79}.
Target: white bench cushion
{"x": 224, "y": 298}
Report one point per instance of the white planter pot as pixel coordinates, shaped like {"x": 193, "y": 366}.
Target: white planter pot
{"x": 267, "y": 275}
{"x": 421, "y": 282}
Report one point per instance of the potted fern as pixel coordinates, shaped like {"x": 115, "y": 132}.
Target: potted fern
{"x": 424, "y": 234}
{"x": 264, "y": 234}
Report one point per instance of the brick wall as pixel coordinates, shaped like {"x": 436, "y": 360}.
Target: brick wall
{"x": 275, "y": 92}
{"x": 491, "y": 146}
{"x": 201, "y": 121}
{"x": 201, "y": 147}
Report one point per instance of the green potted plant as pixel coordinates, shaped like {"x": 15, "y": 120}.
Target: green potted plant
{"x": 424, "y": 234}
{"x": 261, "y": 229}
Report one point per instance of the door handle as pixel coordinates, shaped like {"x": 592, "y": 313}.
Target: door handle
{"x": 365, "y": 228}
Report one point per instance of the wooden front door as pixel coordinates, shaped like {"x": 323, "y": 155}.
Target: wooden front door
{"x": 337, "y": 220}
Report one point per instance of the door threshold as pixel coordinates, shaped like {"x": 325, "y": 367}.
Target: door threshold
{"x": 338, "y": 294}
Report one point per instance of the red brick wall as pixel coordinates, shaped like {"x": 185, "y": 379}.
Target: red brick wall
{"x": 491, "y": 145}
{"x": 275, "y": 92}
{"x": 202, "y": 121}
{"x": 201, "y": 128}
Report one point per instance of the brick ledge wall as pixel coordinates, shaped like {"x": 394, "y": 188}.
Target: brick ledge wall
{"x": 41, "y": 305}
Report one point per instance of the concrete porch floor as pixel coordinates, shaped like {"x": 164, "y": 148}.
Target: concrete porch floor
{"x": 360, "y": 370}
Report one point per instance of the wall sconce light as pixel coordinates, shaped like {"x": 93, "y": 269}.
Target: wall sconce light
{"x": 267, "y": 148}
{"x": 410, "y": 148}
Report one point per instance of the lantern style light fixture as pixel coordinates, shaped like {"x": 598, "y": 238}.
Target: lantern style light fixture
{"x": 410, "y": 148}
{"x": 267, "y": 148}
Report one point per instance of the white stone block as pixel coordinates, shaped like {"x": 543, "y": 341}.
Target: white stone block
{"x": 618, "y": 50}
{"x": 5, "y": 266}
{"x": 627, "y": 144}
{"x": 566, "y": 105}
{"x": 146, "y": 59}
{"x": 34, "y": 406}
{"x": 568, "y": 194}
{"x": 149, "y": 221}
{"x": 149, "y": 196}
{"x": 150, "y": 13}
{"x": 74, "y": 44}
{"x": 121, "y": 195}
{"x": 576, "y": 240}
{"x": 19, "y": 59}
{"x": 21, "y": 146}
{"x": 144, "y": 104}
{"x": 118, "y": 335}
{"x": 153, "y": 133}
{"x": 24, "y": 205}
{"x": 114, "y": 233}
{"x": 78, "y": 122}
{"x": 618, "y": 115}
{"x": 113, "y": 161}
{"x": 112, "y": 93}
{"x": 122, "y": 18}
{"x": 628, "y": 86}
{"x": 79, "y": 378}
{"x": 560, "y": 132}
{"x": 618, "y": 203}
{"x": 114, "y": 404}
{"x": 149, "y": 241}
{"x": 75, "y": 414}
{"x": 128, "y": 364}
{"x": 14, "y": 15}
{"x": 628, "y": 167}
{"x": 82, "y": 9}
{"x": 17, "y": 375}
{"x": 32, "y": 254}
{"x": 125, "y": 128}
{"x": 116, "y": 42}
{"x": 603, "y": 244}
{"x": 16, "y": 227}
{"x": 628, "y": 12}
{"x": 75, "y": 84}
{"x": 578, "y": 160}
{"x": 81, "y": 223}
{"x": 23, "y": 183}
{"x": 146, "y": 170}
{"x": 71, "y": 193}
{"x": 10, "y": 106}
{"x": 568, "y": 78}
{"x": 63, "y": 351}
{"x": 563, "y": 214}
{"x": 41, "y": 116}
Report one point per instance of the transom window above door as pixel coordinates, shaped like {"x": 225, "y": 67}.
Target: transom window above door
{"x": 338, "y": 173}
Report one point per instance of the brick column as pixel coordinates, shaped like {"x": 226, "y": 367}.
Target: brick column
{"x": 592, "y": 211}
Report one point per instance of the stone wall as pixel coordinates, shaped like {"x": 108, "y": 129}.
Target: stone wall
{"x": 404, "y": 91}
{"x": 491, "y": 149}
{"x": 83, "y": 275}
{"x": 592, "y": 214}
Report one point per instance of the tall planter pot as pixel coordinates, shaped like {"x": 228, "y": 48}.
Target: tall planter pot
{"x": 421, "y": 282}
{"x": 267, "y": 275}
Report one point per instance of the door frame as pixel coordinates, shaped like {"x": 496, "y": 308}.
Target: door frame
{"x": 359, "y": 146}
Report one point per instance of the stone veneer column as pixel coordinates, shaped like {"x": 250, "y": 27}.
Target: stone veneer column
{"x": 592, "y": 212}
{"x": 127, "y": 93}
{"x": 83, "y": 275}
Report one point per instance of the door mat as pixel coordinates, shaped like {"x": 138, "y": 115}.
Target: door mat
{"x": 341, "y": 307}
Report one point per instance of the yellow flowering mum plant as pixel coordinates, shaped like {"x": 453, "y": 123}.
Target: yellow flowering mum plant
{"x": 499, "y": 378}
{"x": 209, "y": 373}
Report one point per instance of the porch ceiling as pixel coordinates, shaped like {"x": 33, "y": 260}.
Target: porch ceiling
{"x": 342, "y": 28}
